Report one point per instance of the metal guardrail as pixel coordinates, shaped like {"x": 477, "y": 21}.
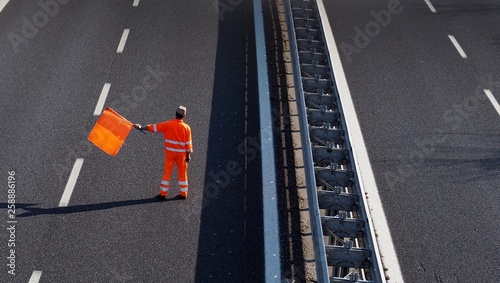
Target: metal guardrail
{"x": 344, "y": 245}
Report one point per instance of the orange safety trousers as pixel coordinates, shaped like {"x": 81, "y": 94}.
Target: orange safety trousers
{"x": 178, "y": 158}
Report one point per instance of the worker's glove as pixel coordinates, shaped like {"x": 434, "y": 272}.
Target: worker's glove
{"x": 140, "y": 128}
{"x": 188, "y": 158}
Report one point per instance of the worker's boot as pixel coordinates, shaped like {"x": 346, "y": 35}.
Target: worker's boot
{"x": 183, "y": 194}
{"x": 162, "y": 194}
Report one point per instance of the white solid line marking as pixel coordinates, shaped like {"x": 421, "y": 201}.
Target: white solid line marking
{"x": 121, "y": 46}
{"x": 136, "y": 3}
{"x": 272, "y": 254}
{"x": 430, "y": 6}
{"x": 102, "y": 99}
{"x": 367, "y": 184}
{"x": 493, "y": 100}
{"x": 3, "y": 3}
{"x": 71, "y": 183}
{"x": 457, "y": 46}
{"x": 35, "y": 276}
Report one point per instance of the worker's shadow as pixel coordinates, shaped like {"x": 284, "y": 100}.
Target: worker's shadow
{"x": 31, "y": 209}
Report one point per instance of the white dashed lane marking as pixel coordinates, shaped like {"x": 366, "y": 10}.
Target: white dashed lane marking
{"x": 35, "y": 276}
{"x": 71, "y": 183}
{"x": 457, "y": 46}
{"x": 3, "y": 3}
{"x": 492, "y": 100}
{"x": 430, "y": 6}
{"x": 102, "y": 99}
{"x": 123, "y": 40}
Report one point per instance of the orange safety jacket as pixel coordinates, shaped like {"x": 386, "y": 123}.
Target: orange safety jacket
{"x": 177, "y": 135}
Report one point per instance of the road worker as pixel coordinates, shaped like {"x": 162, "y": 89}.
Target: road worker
{"x": 178, "y": 148}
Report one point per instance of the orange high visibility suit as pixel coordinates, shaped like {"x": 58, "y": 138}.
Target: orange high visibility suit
{"x": 177, "y": 146}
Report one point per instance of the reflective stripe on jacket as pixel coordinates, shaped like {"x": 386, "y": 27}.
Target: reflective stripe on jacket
{"x": 176, "y": 133}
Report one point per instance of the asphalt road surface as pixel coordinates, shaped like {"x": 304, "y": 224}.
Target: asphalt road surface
{"x": 431, "y": 131}
{"x": 55, "y": 61}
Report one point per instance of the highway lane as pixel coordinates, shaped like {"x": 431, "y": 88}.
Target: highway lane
{"x": 41, "y": 83}
{"x": 473, "y": 24}
{"x": 114, "y": 230}
{"x": 431, "y": 133}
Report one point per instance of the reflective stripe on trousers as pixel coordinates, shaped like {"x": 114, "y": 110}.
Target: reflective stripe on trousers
{"x": 164, "y": 185}
{"x": 171, "y": 149}
{"x": 183, "y": 186}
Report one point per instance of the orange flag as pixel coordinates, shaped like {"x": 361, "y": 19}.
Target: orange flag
{"x": 110, "y": 131}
